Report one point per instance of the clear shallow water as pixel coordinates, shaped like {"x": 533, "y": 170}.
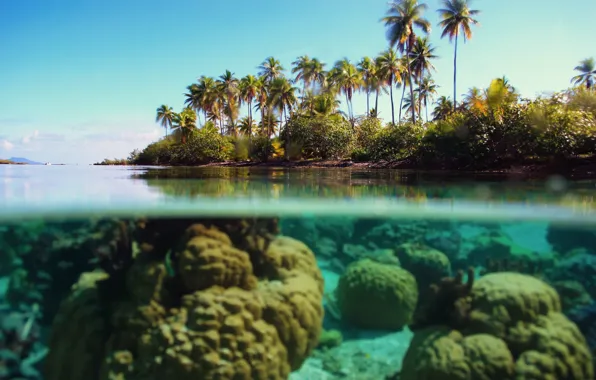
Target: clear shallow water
{"x": 388, "y": 235}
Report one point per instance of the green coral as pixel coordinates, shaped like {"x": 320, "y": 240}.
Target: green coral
{"x": 377, "y": 296}
{"x": 330, "y": 339}
{"x": 427, "y": 264}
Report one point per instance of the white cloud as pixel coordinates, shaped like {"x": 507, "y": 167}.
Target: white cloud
{"x": 6, "y": 145}
{"x": 27, "y": 138}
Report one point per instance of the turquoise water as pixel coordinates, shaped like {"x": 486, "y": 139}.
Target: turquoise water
{"x": 235, "y": 273}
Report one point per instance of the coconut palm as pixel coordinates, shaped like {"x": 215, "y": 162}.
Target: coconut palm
{"x": 457, "y": 18}
{"x": 246, "y": 126}
{"x": 185, "y": 122}
{"x": 283, "y": 97}
{"x": 347, "y": 79}
{"x": 475, "y": 99}
{"x": 402, "y": 17}
{"x": 249, "y": 88}
{"x": 427, "y": 89}
{"x": 229, "y": 91}
{"x": 443, "y": 108}
{"x": 316, "y": 73}
{"x": 301, "y": 67}
{"x": 587, "y": 73}
{"x": 411, "y": 103}
{"x": 271, "y": 69}
{"x": 165, "y": 116}
{"x": 367, "y": 69}
{"x": 421, "y": 56}
{"x": 390, "y": 71}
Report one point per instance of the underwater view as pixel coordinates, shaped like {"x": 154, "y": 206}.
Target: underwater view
{"x": 300, "y": 288}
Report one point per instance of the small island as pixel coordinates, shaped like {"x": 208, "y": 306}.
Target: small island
{"x": 303, "y": 115}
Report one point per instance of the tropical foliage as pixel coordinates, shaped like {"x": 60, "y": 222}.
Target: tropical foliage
{"x": 306, "y": 111}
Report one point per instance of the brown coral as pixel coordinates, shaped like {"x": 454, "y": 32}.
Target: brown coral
{"x": 222, "y": 313}
{"x": 446, "y": 303}
{"x": 520, "y": 314}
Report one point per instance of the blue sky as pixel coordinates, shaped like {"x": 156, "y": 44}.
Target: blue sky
{"x": 80, "y": 80}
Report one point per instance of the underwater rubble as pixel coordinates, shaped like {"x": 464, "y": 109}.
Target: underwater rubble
{"x": 297, "y": 298}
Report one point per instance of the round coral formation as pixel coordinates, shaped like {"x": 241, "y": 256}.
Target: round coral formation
{"x": 427, "y": 264}
{"x": 441, "y": 353}
{"x": 518, "y": 313}
{"x": 376, "y": 296}
{"x": 218, "y": 312}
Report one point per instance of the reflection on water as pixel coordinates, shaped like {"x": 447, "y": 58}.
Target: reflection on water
{"x": 317, "y": 183}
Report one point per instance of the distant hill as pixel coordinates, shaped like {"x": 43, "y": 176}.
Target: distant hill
{"x": 22, "y": 160}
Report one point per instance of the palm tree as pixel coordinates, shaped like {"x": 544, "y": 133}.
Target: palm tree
{"x": 427, "y": 89}
{"x": 367, "y": 69}
{"x": 457, "y": 16}
{"x": 249, "y": 89}
{"x": 301, "y": 67}
{"x": 316, "y": 73}
{"x": 165, "y": 116}
{"x": 283, "y": 96}
{"x": 443, "y": 108}
{"x": 270, "y": 69}
{"x": 184, "y": 122}
{"x": 475, "y": 99}
{"x": 390, "y": 71}
{"x": 347, "y": 79}
{"x": 228, "y": 86}
{"x": 411, "y": 103}
{"x": 402, "y": 17}
{"x": 587, "y": 73}
{"x": 421, "y": 56}
{"x": 246, "y": 126}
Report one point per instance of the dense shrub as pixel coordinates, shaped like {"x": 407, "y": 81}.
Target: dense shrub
{"x": 395, "y": 142}
{"x": 203, "y": 146}
{"x": 322, "y": 137}
{"x": 364, "y": 138}
{"x": 496, "y": 130}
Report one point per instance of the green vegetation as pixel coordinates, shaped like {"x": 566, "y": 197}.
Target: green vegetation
{"x": 299, "y": 117}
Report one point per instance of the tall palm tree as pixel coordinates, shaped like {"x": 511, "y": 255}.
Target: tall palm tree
{"x": 301, "y": 68}
{"x": 444, "y": 107}
{"x": 427, "y": 89}
{"x": 587, "y": 73}
{"x": 421, "y": 56}
{"x": 165, "y": 116}
{"x": 457, "y": 17}
{"x": 347, "y": 79}
{"x": 228, "y": 85}
{"x": 283, "y": 96}
{"x": 402, "y": 17}
{"x": 390, "y": 71}
{"x": 271, "y": 69}
{"x": 316, "y": 73}
{"x": 367, "y": 69}
{"x": 249, "y": 89}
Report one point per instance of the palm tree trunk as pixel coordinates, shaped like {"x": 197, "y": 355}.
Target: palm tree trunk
{"x": 426, "y": 108}
{"x": 367, "y": 102}
{"x": 377, "y": 103}
{"x": 420, "y": 95}
{"x": 411, "y": 84}
{"x": 401, "y": 102}
{"x": 391, "y": 95}
{"x": 455, "y": 71}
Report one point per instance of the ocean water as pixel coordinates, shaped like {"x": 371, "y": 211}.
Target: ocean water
{"x": 140, "y": 273}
